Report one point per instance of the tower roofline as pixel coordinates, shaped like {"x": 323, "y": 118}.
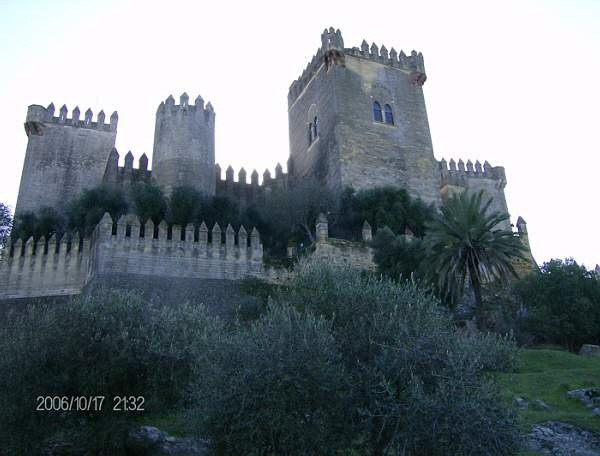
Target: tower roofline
{"x": 332, "y": 50}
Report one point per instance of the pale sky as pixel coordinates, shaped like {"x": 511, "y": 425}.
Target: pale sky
{"x": 516, "y": 83}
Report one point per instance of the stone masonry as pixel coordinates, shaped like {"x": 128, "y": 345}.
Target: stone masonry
{"x": 357, "y": 118}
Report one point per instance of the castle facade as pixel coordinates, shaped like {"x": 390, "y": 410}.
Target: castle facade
{"x": 357, "y": 118}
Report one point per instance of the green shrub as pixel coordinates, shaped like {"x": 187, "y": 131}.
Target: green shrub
{"x": 184, "y": 205}
{"x": 403, "y": 354}
{"x": 398, "y": 257}
{"x": 149, "y": 202}
{"x": 381, "y": 206}
{"x": 109, "y": 344}
{"x": 45, "y": 222}
{"x": 562, "y": 304}
{"x": 85, "y": 212}
{"x": 277, "y": 387}
{"x": 346, "y": 362}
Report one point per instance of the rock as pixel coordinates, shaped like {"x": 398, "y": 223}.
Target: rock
{"x": 538, "y": 404}
{"x": 590, "y": 350}
{"x": 151, "y": 441}
{"x": 521, "y": 402}
{"x": 596, "y": 412}
{"x": 562, "y": 439}
{"x": 588, "y": 396}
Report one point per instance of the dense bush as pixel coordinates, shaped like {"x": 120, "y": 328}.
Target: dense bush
{"x": 562, "y": 302}
{"x": 184, "y": 205}
{"x": 398, "y": 256}
{"x": 85, "y": 212}
{"x": 110, "y": 344}
{"x": 382, "y": 206}
{"x": 149, "y": 202}
{"x": 45, "y": 222}
{"x": 277, "y": 387}
{"x": 393, "y": 372}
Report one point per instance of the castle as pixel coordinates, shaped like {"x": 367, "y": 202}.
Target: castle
{"x": 357, "y": 118}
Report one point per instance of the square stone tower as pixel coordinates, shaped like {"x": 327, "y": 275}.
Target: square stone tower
{"x": 357, "y": 118}
{"x": 64, "y": 156}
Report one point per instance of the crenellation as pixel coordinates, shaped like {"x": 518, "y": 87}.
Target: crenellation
{"x": 352, "y": 146}
{"x": 229, "y": 174}
{"x": 451, "y": 173}
{"x": 126, "y": 174}
{"x": 62, "y": 116}
{"x": 101, "y": 116}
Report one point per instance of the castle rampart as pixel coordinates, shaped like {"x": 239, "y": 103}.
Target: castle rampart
{"x": 458, "y": 177}
{"x": 41, "y": 268}
{"x": 200, "y": 254}
{"x": 244, "y": 192}
{"x": 126, "y": 174}
{"x": 128, "y": 247}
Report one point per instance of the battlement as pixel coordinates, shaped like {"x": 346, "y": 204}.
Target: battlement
{"x": 130, "y": 247}
{"x": 37, "y": 115}
{"x": 116, "y": 174}
{"x": 190, "y": 239}
{"x": 45, "y": 268}
{"x": 452, "y": 173}
{"x": 279, "y": 179}
{"x": 245, "y": 193}
{"x": 168, "y": 107}
{"x": 332, "y": 52}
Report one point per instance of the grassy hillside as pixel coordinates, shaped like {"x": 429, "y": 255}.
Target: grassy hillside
{"x": 547, "y": 374}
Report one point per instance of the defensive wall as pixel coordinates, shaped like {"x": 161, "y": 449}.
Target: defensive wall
{"x": 64, "y": 267}
{"x": 128, "y": 248}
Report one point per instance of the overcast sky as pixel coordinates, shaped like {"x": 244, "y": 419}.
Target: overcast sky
{"x": 516, "y": 83}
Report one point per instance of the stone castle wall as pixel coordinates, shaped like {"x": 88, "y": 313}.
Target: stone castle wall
{"x": 64, "y": 156}
{"x": 184, "y": 145}
{"x": 51, "y": 269}
{"x": 489, "y": 179}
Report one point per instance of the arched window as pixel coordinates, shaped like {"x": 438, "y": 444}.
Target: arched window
{"x": 310, "y": 133}
{"x": 377, "y": 112}
{"x": 315, "y": 128}
{"x": 389, "y": 116}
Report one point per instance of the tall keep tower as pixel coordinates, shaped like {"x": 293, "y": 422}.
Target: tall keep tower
{"x": 184, "y": 145}
{"x": 357, "y": 118}
{"x": 64, "y": 156}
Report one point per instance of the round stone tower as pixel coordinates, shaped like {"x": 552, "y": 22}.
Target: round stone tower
{"x": 184, "y": 145}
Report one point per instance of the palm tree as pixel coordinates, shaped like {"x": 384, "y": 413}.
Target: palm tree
{"x": 464, "y": 241}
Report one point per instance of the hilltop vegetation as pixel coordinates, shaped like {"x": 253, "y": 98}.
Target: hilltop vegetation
{"x": 338, "y": 361}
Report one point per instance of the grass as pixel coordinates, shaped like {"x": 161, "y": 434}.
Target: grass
{"x": 547, "y": 374}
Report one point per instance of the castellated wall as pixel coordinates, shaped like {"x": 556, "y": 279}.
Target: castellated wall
{"x": 64, "y": 156}
{"x": 187, "y": 254}
{"x": 40, "y": 269}
{"x": 126, "y": 174}
{"x": 474, "y": 178}
{"x": 246, "y": 193}
{"x": 339, "y": 87}
{"x": 51, "y": 269}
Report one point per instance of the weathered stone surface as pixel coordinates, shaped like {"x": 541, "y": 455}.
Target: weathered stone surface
{"x": 562, "y": 439}
{"x": 151, "y": 441}
{"x": 184, "y": 146}
{"x": 592, "y": 351}
{"x": 589, "y": 397}
{"x": 63, "y": 157}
